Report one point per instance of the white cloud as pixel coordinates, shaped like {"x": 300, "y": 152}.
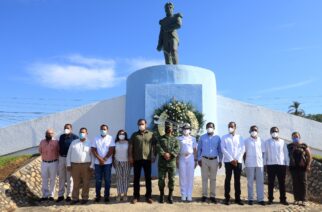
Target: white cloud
{"x": 86, "y": 73}
{"x": 287, "y": 87}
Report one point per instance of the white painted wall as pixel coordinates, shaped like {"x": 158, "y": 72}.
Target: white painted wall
{"x": 112, "y": 112}
{"x": 246, "y": 115}
{"x": 29, "y": 134}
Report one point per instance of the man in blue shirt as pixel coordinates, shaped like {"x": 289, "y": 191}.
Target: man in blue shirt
{"x": 209, "y": 159}
{"x": 64, "y": 175}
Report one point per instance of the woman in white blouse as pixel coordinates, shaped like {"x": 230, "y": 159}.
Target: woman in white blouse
{"x": 187, "y": 162}
{"x": 122, "y": 165}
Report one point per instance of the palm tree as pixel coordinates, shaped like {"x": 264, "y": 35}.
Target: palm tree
{"x": 295, "y": 109}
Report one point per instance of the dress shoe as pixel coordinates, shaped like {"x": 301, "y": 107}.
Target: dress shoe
{"x": 60, "y": 199}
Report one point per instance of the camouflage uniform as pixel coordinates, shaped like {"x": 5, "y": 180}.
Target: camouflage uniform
{"x": 168, "y": 144}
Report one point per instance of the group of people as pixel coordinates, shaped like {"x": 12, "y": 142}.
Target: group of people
{"x": 75, "y": 158}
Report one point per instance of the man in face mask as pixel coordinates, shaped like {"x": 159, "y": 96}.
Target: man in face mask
{"x": 209, "y": 159}
{"x": 276, "y": 159}
{"x": 232, "y": 146}
{"x": 80, "y": 162}
{"x": 49, "y": 151}
{"x": 254, "y": 165}
{"x": 141, "y": 154}
{"x": 168, "y": 149}
{"x": 64, "y": 175}
{"x": 187, "y": 159}
{"x": 103, "y": 148}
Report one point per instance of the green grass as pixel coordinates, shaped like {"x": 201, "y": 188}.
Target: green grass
{"x": 318, "y": 158}
{"x": 5, "y": 160}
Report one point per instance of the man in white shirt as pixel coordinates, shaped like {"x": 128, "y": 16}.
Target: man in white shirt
{"x": 276, "y": 159}
{"x": 233, "y": 149}
{"x": 103, "y": 149}
{"x": 254, "y": 165}
{"x": 81, "y": 163}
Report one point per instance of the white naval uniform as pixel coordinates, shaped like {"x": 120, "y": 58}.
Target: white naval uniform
{"x": 186, "y": 165}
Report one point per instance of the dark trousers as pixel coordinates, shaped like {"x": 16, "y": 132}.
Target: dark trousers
{"x": 299, "y": 179}
{"x": 103, "y": 172}
{"x": 278, "y": 171}
{"x": 237, "y": 172}
{"x": 146, "y": 165}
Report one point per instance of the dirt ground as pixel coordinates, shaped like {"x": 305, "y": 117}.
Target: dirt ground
{"x": 196, "y": 205}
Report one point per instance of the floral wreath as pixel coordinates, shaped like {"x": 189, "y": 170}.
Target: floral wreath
{"x": 178, "y": 113}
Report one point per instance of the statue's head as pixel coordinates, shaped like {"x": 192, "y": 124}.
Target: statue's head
{"x": 169, "y": 8}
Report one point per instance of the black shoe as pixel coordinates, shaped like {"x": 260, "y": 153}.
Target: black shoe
{"x": 226, "y": 202}
{"x": 250, "y": 202}
{"x": 43, "y": 199}
{"x": 270, "y": 202}
{"x": 213, "y": 200}
{"x": 284, "y": 202}
{"x": 203, "y": 199}
{"x": 106, "y": 199}
{"x": 239, "y": 202}
{"x": 51, "y": 199}
{"x": 134, "y": 201}
{"x": 74, "y": 202}
{"x": 97, "y": 199}
{"x": 161, "y": 198}
{"x": 84, "y": 201}
{"x": 68, "y": 199}
{"x": 261, "y": 203}
{"x": 60, "y": 199}
{"x": 170, "y": 198}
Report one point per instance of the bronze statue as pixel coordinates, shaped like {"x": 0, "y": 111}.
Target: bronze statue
{"x": 168, "y": 37}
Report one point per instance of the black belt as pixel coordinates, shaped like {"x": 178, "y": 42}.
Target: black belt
{"x": 49, "y": 161}
{"x": 210, "y": 158}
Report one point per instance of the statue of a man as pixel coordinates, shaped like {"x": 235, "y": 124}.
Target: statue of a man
{"x": 168, "y": 37}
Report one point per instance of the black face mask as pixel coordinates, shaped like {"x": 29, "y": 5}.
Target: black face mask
{"x": 48, "y": 137}
{"x": 168, "y": 130}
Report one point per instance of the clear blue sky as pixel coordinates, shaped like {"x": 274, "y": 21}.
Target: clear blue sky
{"x": 58, "y": 54}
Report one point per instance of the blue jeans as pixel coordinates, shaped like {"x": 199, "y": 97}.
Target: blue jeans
{"x": 103, "y": 171}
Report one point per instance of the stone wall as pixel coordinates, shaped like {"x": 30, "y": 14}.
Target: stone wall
{"x": 22, "y": 188}
{"x": 314, "y": 182}
{"x": 314, "y": 178}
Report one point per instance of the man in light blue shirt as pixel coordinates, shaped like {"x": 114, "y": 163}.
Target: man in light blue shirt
{"x": 209, "y": 159}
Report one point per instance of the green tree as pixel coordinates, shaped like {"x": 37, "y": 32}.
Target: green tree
{"x": 315, "y": 117}
{"x": 295, "y": 109}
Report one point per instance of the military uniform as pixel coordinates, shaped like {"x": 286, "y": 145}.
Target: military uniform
{"x": 167, "y": 144}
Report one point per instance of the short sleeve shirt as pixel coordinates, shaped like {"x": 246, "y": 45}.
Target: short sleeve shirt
{"x": 103, "y": 144}
{"x": 187, "y": 144}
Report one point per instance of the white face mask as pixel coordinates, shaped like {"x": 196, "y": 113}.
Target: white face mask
{"x": 103, "y": 132}
{"x": 186, "y": 132}
{"x": 142, "y": 127}
{"x": 231, "y": 130}
{"x": 67, "y": 131}
{"x": 274, "y": 135}
{"x": 210, "y": 130}
{"x": 253, "y": 133}
{"x": 121, "y": 137}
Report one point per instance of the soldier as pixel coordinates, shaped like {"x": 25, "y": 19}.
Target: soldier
{"x": 168, "y": 149}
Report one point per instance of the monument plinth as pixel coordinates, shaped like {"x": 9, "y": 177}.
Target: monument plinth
{"x": 149, "y": 88}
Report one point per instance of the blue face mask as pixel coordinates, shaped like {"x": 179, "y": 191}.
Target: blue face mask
{"x": 103, "y": 132}
{"x": 295, "y": 140}
{"x": 82, "y": 135}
